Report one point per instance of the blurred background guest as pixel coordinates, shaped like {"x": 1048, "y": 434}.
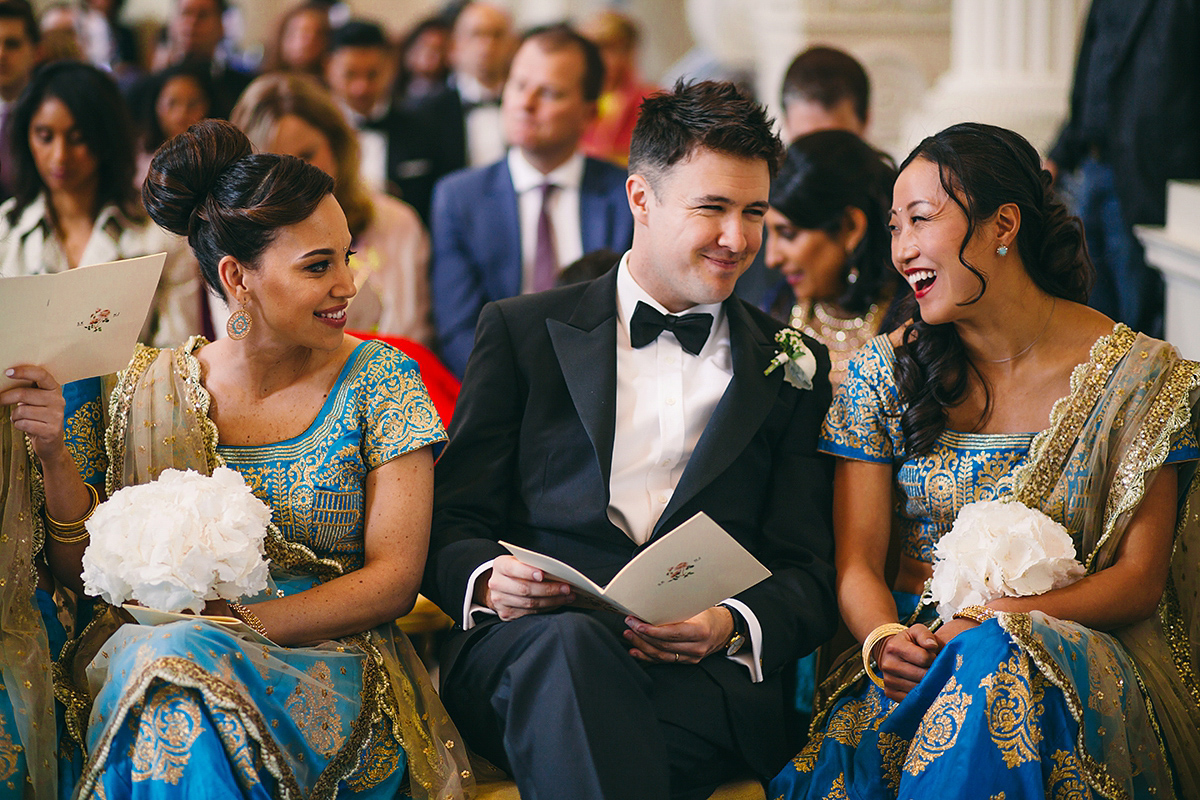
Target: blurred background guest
{"x": 424, "y": 63}
{"x": 399, "y": 153}
{"x": 301, "y": 42}
{"x": 195, "y": 30}
{"x": 825, "y": 89}
{"x": 293, "y": 115}
{"x": 74, "y": 203}
{"x": 18, "y": 55}
{"x": 617, "y": 110}
{"x": 467, "y": 113}
{"x": 106, "y": 41}
{"x": 510, "y": 227}
{"x": 827, "y": 232}
{"x": 174, "y": 99}
{"x": 59, "y": 25}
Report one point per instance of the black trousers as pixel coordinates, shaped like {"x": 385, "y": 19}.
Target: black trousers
{"x": 557, "y": 700}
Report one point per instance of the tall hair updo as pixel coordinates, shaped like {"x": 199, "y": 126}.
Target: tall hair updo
{"x": 982, "y": 167}
{"x": 208, "y": 185}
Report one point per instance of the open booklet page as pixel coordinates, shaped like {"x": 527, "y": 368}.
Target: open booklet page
{"x": 76, "y": 324}
{"x": 687, "y": 570}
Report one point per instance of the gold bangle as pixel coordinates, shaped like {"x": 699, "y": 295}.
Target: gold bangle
{"x": 873, "y": 638}
{"x": 250, "y": 618}
{"x": 72, "y": 532}
{"x": 975, "y": 613}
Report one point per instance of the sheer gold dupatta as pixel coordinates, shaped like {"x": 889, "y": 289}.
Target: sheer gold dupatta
{"x": 24, "y": 649}
{"x": 1105, "y": 443}
{"x": 160, "y": 420}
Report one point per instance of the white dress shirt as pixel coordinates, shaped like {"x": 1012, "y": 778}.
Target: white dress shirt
{"x": 483, "y": 124}
{"x": 372, "y": 147}
{"x": 564, "y": 210}
{"x": 665, "y": 398}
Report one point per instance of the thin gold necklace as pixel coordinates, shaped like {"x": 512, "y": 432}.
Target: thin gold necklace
{"x": 1029, "y": 346}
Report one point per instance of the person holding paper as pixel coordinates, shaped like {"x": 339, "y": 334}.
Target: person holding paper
{"x": 43, "y": 506}
{"x": 74, "y": 203}
{"x": 334, "y": 434}
{"x": 582, "y": 435}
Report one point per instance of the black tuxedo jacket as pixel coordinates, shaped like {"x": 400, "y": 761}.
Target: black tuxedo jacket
{"x": 529, "y": 458}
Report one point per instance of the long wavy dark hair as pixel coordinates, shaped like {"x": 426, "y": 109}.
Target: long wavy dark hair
{"x": 982, "y": 167}
{"x": 823, "y": 174}
{"x": 102, "y": 119}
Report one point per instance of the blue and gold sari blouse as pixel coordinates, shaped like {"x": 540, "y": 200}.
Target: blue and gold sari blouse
{"x": 863, "y": 424}
{"x": 315, "y": 482}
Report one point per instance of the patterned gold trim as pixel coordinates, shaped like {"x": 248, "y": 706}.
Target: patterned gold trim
{"x": 181, "y": 672}
{"x": 1020, "y": 627}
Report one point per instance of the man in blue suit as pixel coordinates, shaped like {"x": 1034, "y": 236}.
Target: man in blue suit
{"x": 510, "y": 227}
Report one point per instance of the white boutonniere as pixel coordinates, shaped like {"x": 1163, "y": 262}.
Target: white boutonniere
{"x": 798, "y": 362}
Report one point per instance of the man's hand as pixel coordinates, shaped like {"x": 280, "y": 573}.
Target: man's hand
{"x": 684, "y": 642}
{"x": 904, "y": 659}
{"x": 514, "y": 589}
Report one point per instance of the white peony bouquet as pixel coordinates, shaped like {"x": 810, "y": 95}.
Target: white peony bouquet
{"x": 176, "y": 542}
{"x": 1000, "y": 549}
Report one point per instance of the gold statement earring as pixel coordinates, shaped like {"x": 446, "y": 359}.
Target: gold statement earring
{"x": 238, "y": 326}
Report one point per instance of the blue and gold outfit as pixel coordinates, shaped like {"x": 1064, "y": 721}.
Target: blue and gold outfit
{"x": 188, "y": 709}
{"x": 1025, "y": 705}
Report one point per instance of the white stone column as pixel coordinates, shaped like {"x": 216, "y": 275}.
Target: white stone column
{"x": 1011, "y": 65}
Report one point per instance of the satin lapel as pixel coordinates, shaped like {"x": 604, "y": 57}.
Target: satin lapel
{"x": 739, "y": 414}
{"x": 595, "y": 211}
{"x": 586, "y": 348}
{"x": 504, "y": 232}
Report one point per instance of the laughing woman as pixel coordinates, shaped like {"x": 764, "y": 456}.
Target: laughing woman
{"x": 334, "y": 435}
{"x": 1005, "y": 386}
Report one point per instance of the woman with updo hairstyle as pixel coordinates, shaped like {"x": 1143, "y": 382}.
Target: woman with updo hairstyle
{"x": 1029, "y": 456}
{"x": 334, "y": 435}
{"x": 827, "y": 233}
{"x": 74, "y": 203}
{"x": 293, "y": 115}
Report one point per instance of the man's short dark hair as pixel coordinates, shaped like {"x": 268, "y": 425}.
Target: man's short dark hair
{"x": 827, "y": 76}
{"x": 713, "y": 115}
{"x": 561, "y": 36}
{"x": 358, "y": 33}
{"x": 19, "y": 9}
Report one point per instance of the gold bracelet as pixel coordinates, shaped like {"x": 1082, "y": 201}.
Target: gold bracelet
{"x": 250, "y": 618}
{"x": 975, "y": 613}
{"x": 873, "y": 638}
{"x": 72, "y": 532}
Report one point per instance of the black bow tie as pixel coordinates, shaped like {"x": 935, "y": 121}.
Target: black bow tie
{"x": 471, "y": 105}
{"x": 691, "y": 329}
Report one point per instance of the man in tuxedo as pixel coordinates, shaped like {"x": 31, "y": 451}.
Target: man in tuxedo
{"x": 18, "y": 56}
{"x": 581, "y": 434}
{"x": 398, "y": 152}
{"x": 466, "y": 113}
{"x": 510, "y": 227}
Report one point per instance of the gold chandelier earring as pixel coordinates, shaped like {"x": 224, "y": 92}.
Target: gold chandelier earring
{"x": 238, "y": 326}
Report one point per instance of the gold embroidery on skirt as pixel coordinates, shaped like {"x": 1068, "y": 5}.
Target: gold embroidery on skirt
{"x": 169, "y": 725}
{"x": 847, "y": 725}
{"x": 939, "y": 728}
{"x": 892, "y": 749}
{"x": 1014, "y": 706}
{"x": 1066, "y": 778}
{"x": 314, "y": 710}
{"x": 9, "y": 752}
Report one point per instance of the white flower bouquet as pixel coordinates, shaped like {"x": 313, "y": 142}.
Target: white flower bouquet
{"x": 176, "y": 542}
{"x": 1000, "y": 549}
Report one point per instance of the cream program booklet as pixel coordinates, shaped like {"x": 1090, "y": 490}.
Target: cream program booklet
{"x": 77, "y": 324}
{"x": 692, "y": 568}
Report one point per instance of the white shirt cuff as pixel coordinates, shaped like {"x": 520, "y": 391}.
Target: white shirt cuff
{"x": 469, "y": 604}
{"x": 753, "y": 659}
